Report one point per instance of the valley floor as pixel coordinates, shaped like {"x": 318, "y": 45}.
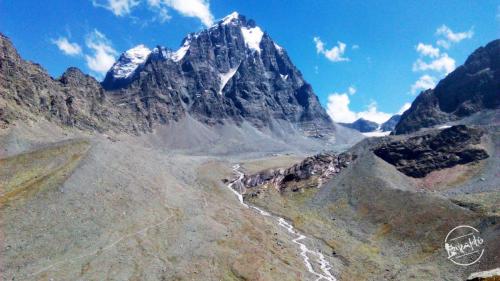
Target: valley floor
{"x": 76, "y": 206}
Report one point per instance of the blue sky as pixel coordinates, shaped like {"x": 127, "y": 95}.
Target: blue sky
{"x": 363, "y": 58}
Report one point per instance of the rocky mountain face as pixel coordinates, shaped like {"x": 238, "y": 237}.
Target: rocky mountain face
{"x": 230, "y": 71}
{"x": 362, "y": 125}
{"x": 470, "y": 88}
{"x": 419, "y": 155}
{"x": 74, "y": 99}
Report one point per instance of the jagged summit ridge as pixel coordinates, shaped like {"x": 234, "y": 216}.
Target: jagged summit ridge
{"x": 233, "y": 71}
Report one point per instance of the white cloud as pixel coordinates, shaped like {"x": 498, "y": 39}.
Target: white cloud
{"x": 423, "y": 83}
{"x": 68, "y": 48}
{"x": 192, "y": 8}
{"x": 189, "y": 8}
{"x": 404, "y": 108}
{"x": 443, "y": 43}
{"x": 498, "y": 13}
{"x": 443, "y": 64}
{"x": 355, "y": 47}
{"x": 334, "y": 54}
{"x": 103, "y": 55}
{"x": 338, "y": 109}
{"x": 451, "y": 37}
{"x": 118, "y": 7}
{"x": 372, "y": 114}
{"x": 427, "y": 50}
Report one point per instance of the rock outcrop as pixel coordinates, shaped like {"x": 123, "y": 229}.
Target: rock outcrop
{"x": 470, "y": 88}
{"x": 322, "y": 167}
{"x": 419, "y": 155}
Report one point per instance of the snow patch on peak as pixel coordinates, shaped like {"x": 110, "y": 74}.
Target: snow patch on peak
{"x": 179, "y": 54}
{"x": 229, "y": 18}
{"x": 130, "y": 61}
{"x": 252, "y": 37}
{"x": 225, "y": 77}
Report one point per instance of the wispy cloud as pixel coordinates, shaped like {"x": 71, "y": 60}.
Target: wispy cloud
{"x": 449, "y": 37}
{"x": 103, "y": 55}
{"x": 423, "y": 83}
{"x": 427, "y": 50}
{"x": 192, "y": 8}
{"x": 335, "y": 54}
{"x": 117, "y": 7}
{"x": 444, "y": 64}
{"x": 68, "y": 48}
{"x": 189, "y": 8}
{"x": 433, "y": 59}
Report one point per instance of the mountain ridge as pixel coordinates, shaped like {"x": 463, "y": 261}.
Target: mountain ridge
{"x": 472, "y": 87}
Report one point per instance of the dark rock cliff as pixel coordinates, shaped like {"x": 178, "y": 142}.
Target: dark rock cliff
{"x": 420, "y": 155}
{"x": 470, "y": 88}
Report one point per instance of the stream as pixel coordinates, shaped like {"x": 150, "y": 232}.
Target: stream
{"x": 309, "y": 256}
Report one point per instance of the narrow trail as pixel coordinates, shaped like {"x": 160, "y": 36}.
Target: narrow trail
{"x": 309, "y": 256}
{"x": 103, "y": 249}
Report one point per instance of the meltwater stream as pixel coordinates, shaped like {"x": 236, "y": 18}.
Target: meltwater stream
{"x": 307, "y": 254}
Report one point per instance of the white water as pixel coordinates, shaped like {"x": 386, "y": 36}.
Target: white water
{"x": 305, "y": 252}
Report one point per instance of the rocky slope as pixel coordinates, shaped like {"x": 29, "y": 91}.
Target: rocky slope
{"x": 377, "y": 223}
{"x": 419, "y": 155}
{"x": 470, "y": 88}
{"x": 75, "y": 99}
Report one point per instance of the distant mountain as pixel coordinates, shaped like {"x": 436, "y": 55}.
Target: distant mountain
{"x": 362, "y": 125}
{"x": 472, "y": 87}
{"x": 232, "y": 72}
{"x": 390, "y": 124}
{"x": 366, "y": 126}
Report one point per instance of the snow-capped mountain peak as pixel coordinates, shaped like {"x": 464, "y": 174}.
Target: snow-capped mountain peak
{"x": 230, "y": 18}
{"x": 130, "y": 60}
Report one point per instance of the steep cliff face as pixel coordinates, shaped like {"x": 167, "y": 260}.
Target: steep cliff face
{"x": 472, "y": 87}
{"x": 230, "y": 71}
